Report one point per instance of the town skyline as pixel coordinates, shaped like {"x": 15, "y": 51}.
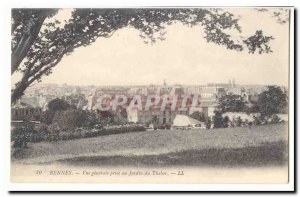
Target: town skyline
{"x": 154, "y": 84}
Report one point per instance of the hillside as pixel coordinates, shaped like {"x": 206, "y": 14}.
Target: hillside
{"x": 232, "y": 146}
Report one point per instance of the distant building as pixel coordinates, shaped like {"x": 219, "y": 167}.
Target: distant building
{"x": 164, "y": 89}
{"x": 205, "y": 107}
{"x": 211, "y": 93}
{"x": 230, "y": 84}
{"x": 21, "y": 111}
{"x": 153, "y": 116}
{"x": 177, "y": 90}
{"x": 183, "y": 121}
{"x": 44, "y": 99}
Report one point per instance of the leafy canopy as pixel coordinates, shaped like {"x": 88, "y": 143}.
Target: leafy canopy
{"x": 38, "y": 46}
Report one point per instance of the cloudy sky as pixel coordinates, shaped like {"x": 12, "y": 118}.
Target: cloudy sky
{"x": 184, "y": 57}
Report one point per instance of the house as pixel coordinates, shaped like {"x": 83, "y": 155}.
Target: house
{"x": 186, "y": 122}
{"x": 154, "y": 116}
{"x": 207, "y": 107}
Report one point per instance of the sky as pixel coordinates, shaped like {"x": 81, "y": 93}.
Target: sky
{"x": 183, "y": 58}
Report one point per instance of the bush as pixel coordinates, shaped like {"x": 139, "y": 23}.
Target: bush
{"x": 238, "y": 121}
{"x": 59, "y": 104}
{"x": 253, "y": 109}
{"x": 164, "y": 126}
{"x": 47, "y": 116}
{"x": 275, "y": 119}
{"x": 207, "y": 123}
{"x": 256, "y": 120}
{"x": 20, "y": 136}
{"x": 218, "y": 120}
{"x": 70, "y": 119}
{"x": 53, "y": 132}
{"x": 226, "y": 122}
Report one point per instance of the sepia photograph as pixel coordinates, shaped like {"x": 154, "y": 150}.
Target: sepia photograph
{"x": 176, "y": 95}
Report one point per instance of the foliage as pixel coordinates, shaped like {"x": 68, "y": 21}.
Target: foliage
{"x": 54, "y": 133}
{"x": 47, "y": 116}
{"x": 25, "y": 29}
{"x": 20, "y": 136}
{"x": 256, "y": 120}
{"x": 59, "y": 104}
{"x": 272, "y": 101}
{"x": 254, "y": 108}
{"x": 218, "y": 119}
{"x": 275, "y": 119}
{"x": 54, "y": 106}
{"x": 208, "y": 123}
{"x": 238, "y": 121}
{"x": 225, "y": 122}
{"x": 258, "y": 42}
{"x": 231, "y": 103}
{"x": 91, "y": 119}
{"x": 43, "y": 48}
{"x": 198, "y": 116}
{"x": 164, "y": 126}
{"x": 70, "y": 119}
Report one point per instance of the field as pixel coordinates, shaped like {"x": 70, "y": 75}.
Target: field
{"x": 256, "y": 146}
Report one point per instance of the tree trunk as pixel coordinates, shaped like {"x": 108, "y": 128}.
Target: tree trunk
{"x": 30, "y": 34}
{"x": 18, "y": 92}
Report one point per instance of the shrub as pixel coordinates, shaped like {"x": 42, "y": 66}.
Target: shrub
{"x": 275, "y": 119}
{"x": 20, "y": 136}
{"x": 256, "y": 120}
{"x": 208, "y": 123}
{"x": 226, "y": 122}
{"x": 238, "y": 121}
{"x": 218, "y": 120}
{"x": 59, "y": 104}
{"x": 70, "y": 119}
{"x": 47, "y": 116}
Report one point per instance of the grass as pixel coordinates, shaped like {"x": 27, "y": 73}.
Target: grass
{"x": 243, "y": 146}
{"x": 267, "y": 154}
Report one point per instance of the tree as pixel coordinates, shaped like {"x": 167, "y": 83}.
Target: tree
{"x": 20, "y": 136}
{"x": 54, "y": 106}
{"x": 26, "y": 25}
{"x": 253, "y": 108}
{"x": 272, "y": 101}
{"x": 70, "y": 119}
{"x": 218, "y": 119}
{"x": 36, "y": 50}
{"x": 231, "y": 103}
{"x": 226, "y": 122}
{"x": 59, "y": 104}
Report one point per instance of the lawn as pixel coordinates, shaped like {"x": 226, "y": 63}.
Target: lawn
{"x": 243, "y": 146}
